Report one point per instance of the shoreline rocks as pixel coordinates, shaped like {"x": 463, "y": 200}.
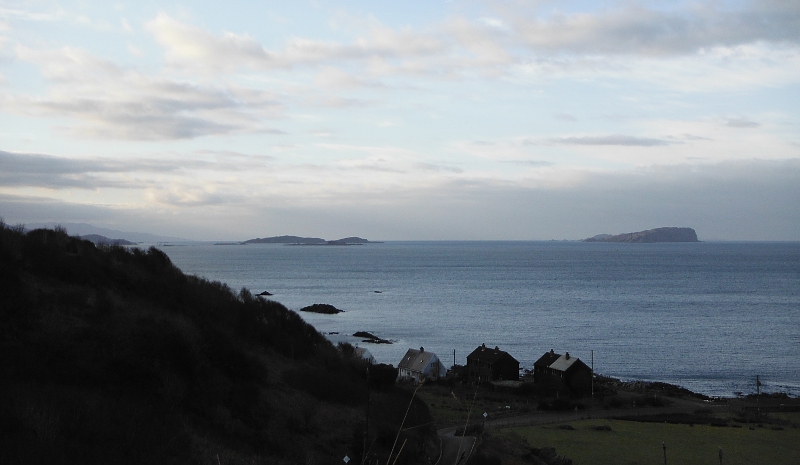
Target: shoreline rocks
{"x": 371, "y": 338}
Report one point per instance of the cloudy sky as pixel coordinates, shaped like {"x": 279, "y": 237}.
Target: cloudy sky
{"x": 495, "y": 119}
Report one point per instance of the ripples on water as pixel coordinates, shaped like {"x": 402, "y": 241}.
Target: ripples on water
{"x": 707, "y": 316}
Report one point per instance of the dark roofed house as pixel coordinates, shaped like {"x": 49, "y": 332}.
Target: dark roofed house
{"x": 419, "y": 365}
{"x": 484, "y": 365}
{"x": 559, "y": 371}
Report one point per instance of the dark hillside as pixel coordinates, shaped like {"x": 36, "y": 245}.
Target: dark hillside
{"x": 113, "y": 355}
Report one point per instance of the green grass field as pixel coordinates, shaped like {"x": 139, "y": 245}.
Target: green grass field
{"x": 632, "y": 443}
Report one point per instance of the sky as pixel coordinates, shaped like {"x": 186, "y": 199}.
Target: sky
{"x": 420, "y": 120}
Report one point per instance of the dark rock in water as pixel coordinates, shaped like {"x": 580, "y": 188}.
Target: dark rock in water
{"x": 322, "y": 308}
{"x": 265, "y": 293}
{"x": 365, "y": 334}
{"x": 378, "y": 292}
{"x": 649, "y": 236}
{"x": 371, "y": 338}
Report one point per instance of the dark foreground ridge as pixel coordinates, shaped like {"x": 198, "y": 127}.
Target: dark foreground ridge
{"x": 671, "y": 234}
{"x": 112, "y": 355}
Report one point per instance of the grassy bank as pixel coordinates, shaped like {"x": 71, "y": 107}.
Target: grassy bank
{"x": 633, "y": 443}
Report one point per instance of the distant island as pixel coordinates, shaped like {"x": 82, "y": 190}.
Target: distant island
{"x": 297, "y": 240}
{"x": 651, "y": 235}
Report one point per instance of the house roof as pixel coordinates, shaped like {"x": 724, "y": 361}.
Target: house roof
{"x": 485, "y": 354}
{"x": 557, "y": 361}
{"x": 416, "y": 360}
{"x": 563, "y": 362}
{"x": 361, "y": 352}
{"x": 547, "y": 359}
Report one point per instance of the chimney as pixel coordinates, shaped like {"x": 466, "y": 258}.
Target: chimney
{"x": 552, "y": 351}
{"x": 567, "y": 356}
{"x": 496, "y": 349}
{"x": 421, "y": 349}
{"x": 483, "y": 347}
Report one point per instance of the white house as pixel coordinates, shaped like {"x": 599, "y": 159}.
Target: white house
{"x": 419, "y": 365}
{"x": 364, "y": 355}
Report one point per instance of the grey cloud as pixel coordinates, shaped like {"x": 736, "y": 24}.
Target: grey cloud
{"x": 344, "y": 102}
{"x": 538, "y": 163}
{"x": 37, "y": 170}
{"x": 196, "y": 198}
{"x": 111, "y": 102}
{"x": 744, "y": 200}
{"x": 641, "y": 30}
{"x": 460, "y": 45}
{"x": 57, "y": 173}
{"x": 437, "y": 168}
{"x": 239, "y": 156}
{"x": 749, "y": 200}
{"x": 565, "y": 117}
{"x": 741, "y": 123}
{"x": 693, "y": 137}
{"x": 614, "y": 139}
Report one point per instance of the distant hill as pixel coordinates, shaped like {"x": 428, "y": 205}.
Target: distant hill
{"x": 84, "y": 229}
{"x": 97, "y": 239}
{"x": 297, "y": 240}
{"x": 670, "y": 234}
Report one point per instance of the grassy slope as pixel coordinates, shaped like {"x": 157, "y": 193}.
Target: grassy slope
{"x": 641, "y": 443}
{"x": 110, "y": 355}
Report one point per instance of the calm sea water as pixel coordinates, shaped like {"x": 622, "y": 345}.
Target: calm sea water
{"x": 706, "y": 316}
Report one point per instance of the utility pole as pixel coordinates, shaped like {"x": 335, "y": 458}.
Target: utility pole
{"x": 592, "y": 374}
{"x": 664, "y": 446}
{"x": 758, "y": 398}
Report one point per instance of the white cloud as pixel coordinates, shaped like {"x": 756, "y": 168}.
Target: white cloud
{"x": 126, "y": 26}
{"x": 118, "y": 103}
{"x": 194, "y": 48}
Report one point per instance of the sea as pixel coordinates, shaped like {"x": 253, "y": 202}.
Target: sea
{"x": 707, "y": 316}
